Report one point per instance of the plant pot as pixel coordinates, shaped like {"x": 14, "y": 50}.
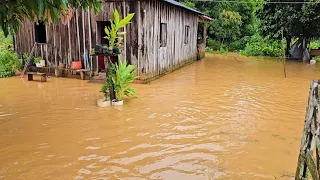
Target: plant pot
{"x": 103, "y": 103}
{"x": 42, "y": 63}
{"x": 107, "y": 51}
{"x": 117, "y": 103}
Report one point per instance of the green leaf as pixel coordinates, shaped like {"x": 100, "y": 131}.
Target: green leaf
{"x": 40, "y": 8}
{"x": 116, "y": 16}
{"x": 126, "y": 20}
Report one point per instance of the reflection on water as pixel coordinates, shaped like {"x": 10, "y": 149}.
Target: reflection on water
{"x": 215, "y": 119}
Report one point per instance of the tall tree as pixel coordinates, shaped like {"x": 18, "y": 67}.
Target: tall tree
{"x": 14, "y": 12}
{"x": 227, "y": 26}
{"x": 294, "y": 19}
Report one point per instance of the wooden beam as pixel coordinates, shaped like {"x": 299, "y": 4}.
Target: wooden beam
{"x": 90, "y": 44}
{"x": 78, "y": 34}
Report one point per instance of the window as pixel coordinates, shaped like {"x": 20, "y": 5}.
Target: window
{"x": 186, "y": 34}
{"x": 163, "y": 35}
{"x": 40, "y": 32}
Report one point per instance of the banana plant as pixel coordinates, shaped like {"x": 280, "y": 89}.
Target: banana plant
{"x": 112, "y": 32}
{"x": 122, "y": 79}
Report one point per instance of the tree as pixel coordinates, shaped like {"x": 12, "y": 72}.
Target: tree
{"x": 295, "y": 19}
{"x": 189, "y": 3}
{"x": 14, "y": 12}
{"x": 227, "y": 26}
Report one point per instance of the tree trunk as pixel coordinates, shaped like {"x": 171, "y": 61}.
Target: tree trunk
{"x": 107, "y": 64}
{"x": 289, "y": 38}
{"x": 221, "y": 44}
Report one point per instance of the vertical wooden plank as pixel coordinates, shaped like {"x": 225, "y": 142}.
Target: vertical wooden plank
{"x": 124, "y": 14}
{"x": 90, "y": 43}
{"x": 78, "y": 33}
{"x": 87, "y": 36}
{"x": 54, "y": 46}
{"x": 139, "y": 37}
{"x": 69, "y": 45}
{"x": 83, "y": 31}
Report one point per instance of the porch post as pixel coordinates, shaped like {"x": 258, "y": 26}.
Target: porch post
{"x": 204, "y": 33}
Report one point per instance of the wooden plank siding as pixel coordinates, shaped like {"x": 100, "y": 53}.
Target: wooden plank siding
{"x": 66, "y": 43}
{"x": 153, "y": 59}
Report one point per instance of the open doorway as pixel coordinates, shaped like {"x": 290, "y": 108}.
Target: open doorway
{"x": 200, "y": 33}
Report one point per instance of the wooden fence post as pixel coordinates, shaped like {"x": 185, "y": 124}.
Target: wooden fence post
{"x": 310, "y": 137}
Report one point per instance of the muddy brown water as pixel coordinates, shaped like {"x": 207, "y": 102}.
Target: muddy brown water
{"x": 220, "y": 118}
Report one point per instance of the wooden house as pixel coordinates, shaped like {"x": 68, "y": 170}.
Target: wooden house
{"x": 163, "y": 36}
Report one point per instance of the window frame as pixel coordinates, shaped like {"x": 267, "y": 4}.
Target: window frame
{"x": 163, "y": 35}
{"x": 40, "y": 32}
{"x": 186, "y": 34}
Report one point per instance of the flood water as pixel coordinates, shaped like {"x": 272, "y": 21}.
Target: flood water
{"x": 221, "y": 118}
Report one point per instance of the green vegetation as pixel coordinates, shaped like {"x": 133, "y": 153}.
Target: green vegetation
{"x": 254, "y": 28}
{"x": 112, "y": 32}
{"x": 122, "y": 80}
{"x": 37, "y": 60}
{"x": 9, "y": 63}
{"x": 121, "y": 76}
{"x": 14, "y": 12}
{"x": 5, "y": 42}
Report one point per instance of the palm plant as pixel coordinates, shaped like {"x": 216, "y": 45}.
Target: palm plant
{"x": 122, "y": 80}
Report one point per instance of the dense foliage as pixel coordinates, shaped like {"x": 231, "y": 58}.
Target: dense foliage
{"x": 255, "y": 27}
{"x": 123, "y": 78}
{"x": 9, "y": 63}
{"x": 5, "y": 42}
{"x": 112, "y": 32}
{"x": 13, "y": 12}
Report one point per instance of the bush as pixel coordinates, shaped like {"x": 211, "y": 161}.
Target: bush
{"x": 5, "y": 42}
{"x": 315, "y": 44}
{"x": 262, "y": 46}
{"x": 238, "y": 45}
{"x": 213, "y": 44}
{"x": 210, "y": 50}
{"x": 9, "y": 63}
{"x": 222, "y": 51}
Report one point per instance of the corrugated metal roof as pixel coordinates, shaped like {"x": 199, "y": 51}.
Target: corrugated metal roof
{"x": 183, "y": 6}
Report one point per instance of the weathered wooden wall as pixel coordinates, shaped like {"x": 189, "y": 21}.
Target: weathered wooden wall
{"x": 153, "y": 59}
{"x": 66, "y": 43}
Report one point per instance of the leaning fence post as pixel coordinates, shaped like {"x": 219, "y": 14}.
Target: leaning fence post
{"x": 309, "y": 137}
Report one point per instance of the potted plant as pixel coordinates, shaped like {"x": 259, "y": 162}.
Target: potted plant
{"x": 39, "y": 62}
{"x": 112, "y": 33}
{"x": 122, "y": 79}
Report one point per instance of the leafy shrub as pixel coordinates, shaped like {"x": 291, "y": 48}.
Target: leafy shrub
{"x": 222, "y": 51}
{"x": 315, "y": 44}
{"x": 262, "y": 46}
{"x": 213, "y": 44}
{"x": 240, "y": 44}
{"x": 210, "y": 50}
{"x": 122, "y": 80}
{"x": 9, "y": 63}
{"x": 5, "y": 42}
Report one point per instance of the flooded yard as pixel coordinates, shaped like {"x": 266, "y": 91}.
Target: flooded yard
{"x": 220, "y": 118}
